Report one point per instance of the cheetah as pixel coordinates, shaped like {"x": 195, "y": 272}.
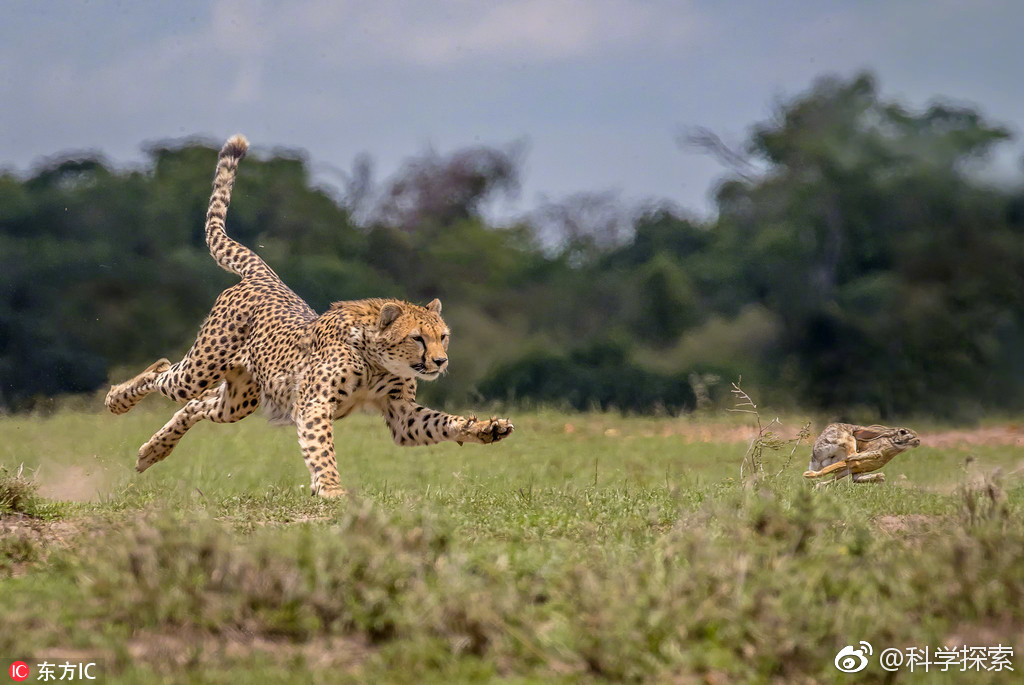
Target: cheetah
{"x": 262, "y": 344}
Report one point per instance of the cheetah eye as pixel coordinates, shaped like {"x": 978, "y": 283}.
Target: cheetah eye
{"x": 419, "y": 339}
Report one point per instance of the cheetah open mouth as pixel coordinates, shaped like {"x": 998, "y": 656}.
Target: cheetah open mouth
{"x": 421, "y": 371}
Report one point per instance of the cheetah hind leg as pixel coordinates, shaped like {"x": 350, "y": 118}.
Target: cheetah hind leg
{"x": 233, "y": 400}
{"x": 123, "y": 396}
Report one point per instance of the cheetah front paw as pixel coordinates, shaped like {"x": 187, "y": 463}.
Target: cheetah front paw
{"x": 328, "y": 491}
{"x": 485, "y": 432}
{"x": 150, "y": 453}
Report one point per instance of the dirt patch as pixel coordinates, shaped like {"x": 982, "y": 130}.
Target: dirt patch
{"x": 72, "y": 483}
{"x": 47, "y": 533}
{"x": 177, "y": 649}
{"x": 1007, "y": 434}
{"x": 907, "y": 525}
{"x": 34, "y": 540}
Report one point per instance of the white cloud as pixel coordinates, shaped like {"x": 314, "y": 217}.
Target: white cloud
{"x": 544, "y": 30}
{"x": 600, "y": 87}
{"x": 450, "y": 32}
{"x": 233, "y": 55}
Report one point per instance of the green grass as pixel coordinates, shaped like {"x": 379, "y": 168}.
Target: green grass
{"x": 586, "y": 547}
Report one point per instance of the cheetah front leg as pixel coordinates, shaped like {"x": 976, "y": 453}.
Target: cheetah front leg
{"x": 413, "y": 424}
{"x": 316, "y": 438}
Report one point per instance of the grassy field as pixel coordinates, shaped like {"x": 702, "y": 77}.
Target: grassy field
{"x": 585, "y": 548}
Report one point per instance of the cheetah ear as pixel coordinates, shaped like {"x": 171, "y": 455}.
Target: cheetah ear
{"x": 388, "y": 314}
{"x": 434, "y": 306}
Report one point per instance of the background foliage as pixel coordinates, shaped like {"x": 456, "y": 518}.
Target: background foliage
{"x": 857, "y": 265}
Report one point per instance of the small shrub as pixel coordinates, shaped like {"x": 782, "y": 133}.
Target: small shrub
{"x": 16, "y": 548}
{"x": 17, "y": 493}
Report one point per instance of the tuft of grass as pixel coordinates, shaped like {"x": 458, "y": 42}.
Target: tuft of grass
{"x": 765, "y": 440}
{"x": 753, "y": 584}
{"x": 591, "y": 547}
{"x": 16, "y": 549}
{"x": 17, "y": 493}
{"x": 984, "y": 502}
{"x": 163, "y": 572}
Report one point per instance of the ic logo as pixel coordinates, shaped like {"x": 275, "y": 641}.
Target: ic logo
{"x": 19, "y": 671}
{"x": 850, "y": 660}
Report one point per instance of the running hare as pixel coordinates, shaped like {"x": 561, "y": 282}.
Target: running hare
{"x": 845, "y": 449}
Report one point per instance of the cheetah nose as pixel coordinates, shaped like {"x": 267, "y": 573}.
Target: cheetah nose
{"x": 440, "y": 361}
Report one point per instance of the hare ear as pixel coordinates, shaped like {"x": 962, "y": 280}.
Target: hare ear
{"x": 388, "y": 314}
{"x": 869, "y": 432}
{"x": 434, "y": 306}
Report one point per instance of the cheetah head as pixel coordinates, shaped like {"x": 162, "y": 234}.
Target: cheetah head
{"x": 413, "y": 341}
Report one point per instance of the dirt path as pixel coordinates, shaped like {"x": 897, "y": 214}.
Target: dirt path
{"x": 1006, "y": 434}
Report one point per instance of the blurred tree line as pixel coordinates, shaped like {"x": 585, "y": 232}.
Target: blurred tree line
{"x": 856, "y": 264}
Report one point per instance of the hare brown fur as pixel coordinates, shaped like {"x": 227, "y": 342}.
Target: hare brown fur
{"x": 846, "y": 449}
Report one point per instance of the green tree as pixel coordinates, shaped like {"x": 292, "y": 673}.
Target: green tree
{"x": 868, "y": 236}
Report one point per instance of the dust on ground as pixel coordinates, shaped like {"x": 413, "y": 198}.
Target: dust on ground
{"x": 73, "y": 483}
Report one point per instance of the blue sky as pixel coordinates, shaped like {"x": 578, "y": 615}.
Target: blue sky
{"x": 597, "y": 89}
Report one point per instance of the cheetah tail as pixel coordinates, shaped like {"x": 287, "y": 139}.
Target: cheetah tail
{"x": 229, "y": 254}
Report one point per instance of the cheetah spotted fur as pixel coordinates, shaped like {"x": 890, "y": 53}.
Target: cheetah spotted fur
{"x": 263, "y": 345}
